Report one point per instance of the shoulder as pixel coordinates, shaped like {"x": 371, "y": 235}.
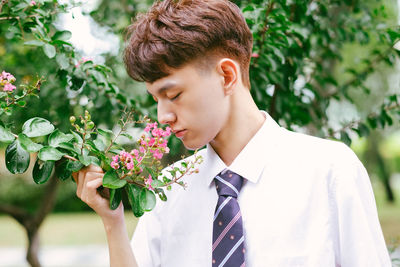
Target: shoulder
{"x": 319, "y": 150}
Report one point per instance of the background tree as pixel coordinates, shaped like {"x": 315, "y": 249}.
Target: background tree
{"x": 301, "y": 65}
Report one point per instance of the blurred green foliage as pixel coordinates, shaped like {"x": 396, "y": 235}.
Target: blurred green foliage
{"x": 300, "y": 62}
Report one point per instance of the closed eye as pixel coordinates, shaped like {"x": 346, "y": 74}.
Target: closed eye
{"x": 175, "y": 97}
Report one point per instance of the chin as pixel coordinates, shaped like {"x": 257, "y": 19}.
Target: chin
{"x": 190, "y": 145}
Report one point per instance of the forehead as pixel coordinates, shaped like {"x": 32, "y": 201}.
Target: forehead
{"x": 186, "y": 75}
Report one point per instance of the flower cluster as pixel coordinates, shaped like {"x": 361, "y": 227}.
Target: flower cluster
{"x": 157, "y": 143}
{"x": 6, "y": 80}
{"x": 152, "y": 147}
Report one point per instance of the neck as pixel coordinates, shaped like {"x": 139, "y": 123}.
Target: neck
{"x": 242, "y": 124}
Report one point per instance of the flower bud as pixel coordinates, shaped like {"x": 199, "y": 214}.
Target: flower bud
{"x": 72, "y": 119}
{"x": 90, "y": 125}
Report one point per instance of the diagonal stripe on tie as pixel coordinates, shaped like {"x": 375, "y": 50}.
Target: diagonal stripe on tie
{"x": 228, "y": 239}
{"x": 221, "y": 207}
{"x": 227, "y": 228}
{"x": 228, "y": 184}
{"x": 231, "y": 252}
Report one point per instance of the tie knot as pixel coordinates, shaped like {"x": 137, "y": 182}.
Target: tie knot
{"x": 228, "y": 183}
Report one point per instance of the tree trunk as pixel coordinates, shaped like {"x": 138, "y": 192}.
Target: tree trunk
{"x": 32, "y": 222}
{"x": 32, "y": 255}
{"x": 378, "y": 162}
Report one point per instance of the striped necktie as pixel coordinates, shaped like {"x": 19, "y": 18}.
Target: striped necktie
{"x": 228, "y": 240}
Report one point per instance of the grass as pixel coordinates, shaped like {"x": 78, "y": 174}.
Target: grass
{"x": 389, "y": 215}
{"x": 65, "y": 229}
{"x": 69, "y": 229}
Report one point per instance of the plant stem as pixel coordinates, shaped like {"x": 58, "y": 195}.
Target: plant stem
{"x": 69, "y": 157}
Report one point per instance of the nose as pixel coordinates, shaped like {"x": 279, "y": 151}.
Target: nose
{"x": 164, "y": 114}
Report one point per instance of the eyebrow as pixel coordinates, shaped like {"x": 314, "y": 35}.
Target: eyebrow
{"x": 164, "y": 88}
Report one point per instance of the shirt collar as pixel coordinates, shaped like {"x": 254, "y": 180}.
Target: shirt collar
{"x": 251, "y": 160}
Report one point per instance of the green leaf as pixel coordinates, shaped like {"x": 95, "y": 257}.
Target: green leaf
{"x": 161, "y": 194}
{"x": 345, "y": 138}
{"x": 77, "y": 137}
{"x": 130, "y": 137}
{"x": 87, "y": 160}
{"x": 21, "y": 103}
{"x": 35, "y": 127}
{"x": 115, "y": 198}
{"x": 94, "y": 160}
{"x": 147, "y": 199}
{"x": 77, "y": 83}
{"x": 28, "y": 144}
{"x": 5, "y": 135}
{"x": 133, "y": 196}
{"x": 62, "y": 61}
{"x": 34, "y": 43}
{"x": 17, "y": 158}
{"x": 62, "y": 170}
{"x": 62, "y": 35}
{"x": 50, "y": 153}
{"x": 60, "y": 42}
{"x": 106, "y": 134}
{"x": 57, "y": 137}
{"x": 156, "y": 183}
{"x": 151, "y": 172}
{"x": 42, "y": 171}
{"x": 99, "y": 144}
{"x": 74, "y": 166}
{"x": 69, "y": 147}
{"x": 49, "y": 50}
{"x": 111, "y": 180}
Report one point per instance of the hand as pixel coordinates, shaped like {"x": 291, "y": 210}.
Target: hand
{"x": 88, "y": 181}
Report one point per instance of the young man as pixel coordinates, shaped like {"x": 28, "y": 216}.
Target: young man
{"x": 264, "y": 196}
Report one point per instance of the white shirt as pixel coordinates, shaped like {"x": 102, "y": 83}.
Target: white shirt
{"x": 305, "y": 201}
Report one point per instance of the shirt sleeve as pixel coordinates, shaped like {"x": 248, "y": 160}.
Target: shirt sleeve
{"x": 146, "y": 241}
{"x": 360, "y": 239}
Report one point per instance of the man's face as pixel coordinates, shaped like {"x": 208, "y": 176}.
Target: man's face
{"x": 193, "y": 103}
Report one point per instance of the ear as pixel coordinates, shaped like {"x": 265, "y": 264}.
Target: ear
{"x": 229, "y": 72}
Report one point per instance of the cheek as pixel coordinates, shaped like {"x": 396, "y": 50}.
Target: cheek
{"x": 209, "y": 115}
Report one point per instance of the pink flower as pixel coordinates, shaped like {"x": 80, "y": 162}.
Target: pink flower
{"x": 135, "y": 152}
{"x": 142, "y": 150}
{"x": 152, "y": 141}
{"x": 163, "y": 143}
{"x": 256, "y": 55}
{"x": 167, "y": 132}
{"x": 129, "y": 165}
{"x": 33, "y": 3}
{"x": 149, "y": 181}
{"x": 5, "y": 76}
{"x": 114, "y": 165}
{"x": 156, "y": 132}
{"x": 157, "y": 154}
{"x": 9, "y": 87}
{"x": 148, "y": 128}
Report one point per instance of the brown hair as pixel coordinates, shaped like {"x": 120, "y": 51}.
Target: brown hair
{"x": 175, "y": 32}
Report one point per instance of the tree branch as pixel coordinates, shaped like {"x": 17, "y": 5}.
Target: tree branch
{"x": 48, "y": 199}
{"x": 17, "y": 213}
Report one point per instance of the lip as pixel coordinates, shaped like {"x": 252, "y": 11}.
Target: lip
{"x": 180, "y": 133}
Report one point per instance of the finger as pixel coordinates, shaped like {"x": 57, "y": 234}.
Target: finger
{"x": 90, "y": 194}
{"x": 80, "y": 183}
{"x": 89, "y": 177}
{"x": 94, "y": 168}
